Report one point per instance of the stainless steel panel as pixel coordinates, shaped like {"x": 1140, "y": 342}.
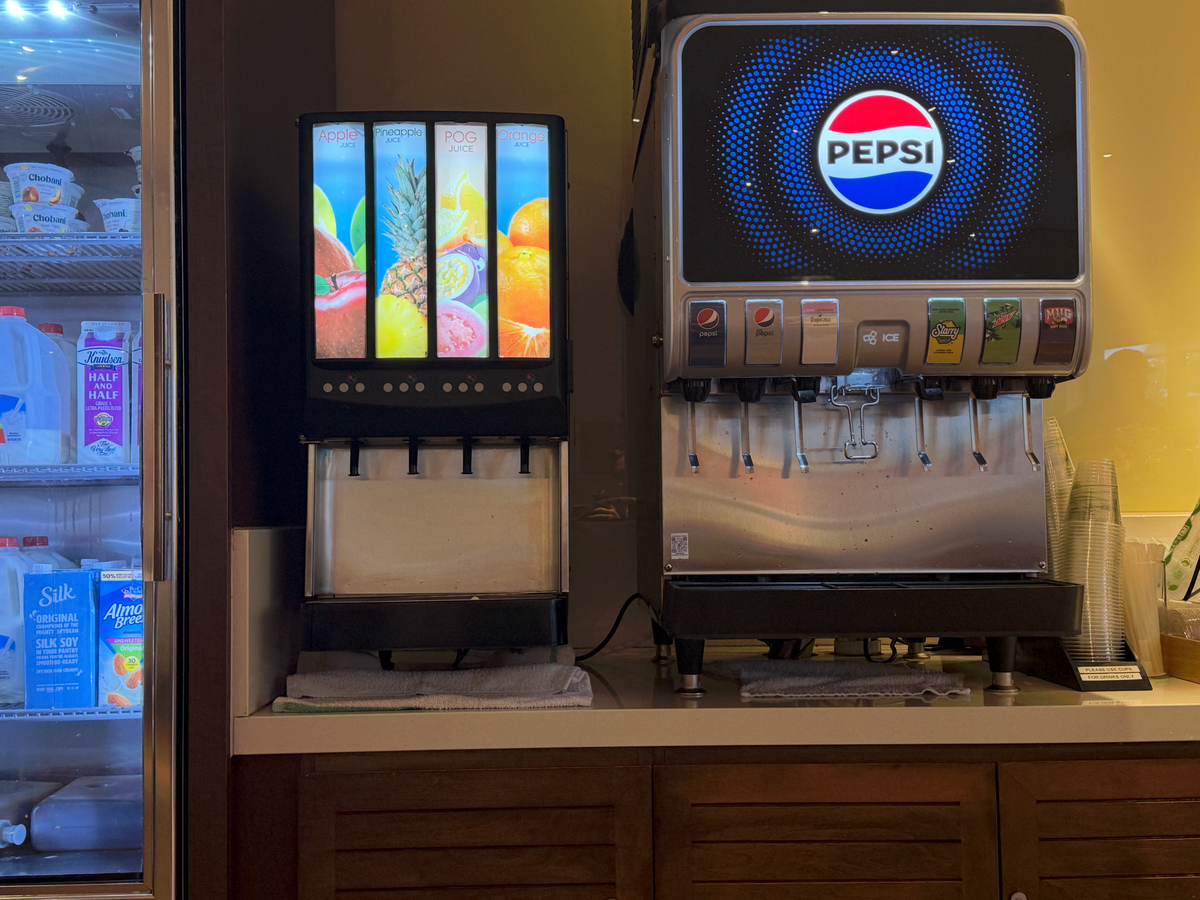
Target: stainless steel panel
{"x": 881, "y": 515}
{"x": 440, "y": 532}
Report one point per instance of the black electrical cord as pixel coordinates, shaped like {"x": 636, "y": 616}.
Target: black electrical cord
{"x": 612, "y": 631}
{"x": 1191, "y": 591}
{"x": 870, "y": 658}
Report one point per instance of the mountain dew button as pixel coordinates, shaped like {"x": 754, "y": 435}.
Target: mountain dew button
{"x": 947, "y": 331}
{"x": 1001, "y": 330}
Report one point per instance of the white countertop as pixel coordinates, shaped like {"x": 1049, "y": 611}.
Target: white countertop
{"x": 635, "y": 706}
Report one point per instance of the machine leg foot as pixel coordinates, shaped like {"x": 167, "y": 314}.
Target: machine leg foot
{"x": 662, "y": 643}
{"x": 1002, "y": 660}
{"x": 916, "y": 649}
{"x": 689, "y": 656}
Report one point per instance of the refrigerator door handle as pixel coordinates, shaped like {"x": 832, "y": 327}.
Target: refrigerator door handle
{"x": 156, "y": 511}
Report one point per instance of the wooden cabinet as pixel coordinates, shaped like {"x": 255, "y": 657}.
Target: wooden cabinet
{"x": 1105, "y": 830}
{"x": 842, "y": 832}
{"x": 474, "y": 833}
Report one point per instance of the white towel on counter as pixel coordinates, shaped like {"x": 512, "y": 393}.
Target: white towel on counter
{"x": 811, "y": 679}
{"x": 543, "y": 686}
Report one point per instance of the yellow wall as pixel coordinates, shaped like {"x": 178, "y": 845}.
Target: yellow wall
{"x": 1139, "y": 402}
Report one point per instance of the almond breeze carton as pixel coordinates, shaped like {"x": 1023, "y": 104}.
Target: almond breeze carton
{"x": 60, "y": 639}
{"x": 103, "y": 396}
{"x": 121, "y": 637}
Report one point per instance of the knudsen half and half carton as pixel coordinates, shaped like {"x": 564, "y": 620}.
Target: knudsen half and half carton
{"x": 60, "y": 639}
{"x": 121, "y": 634}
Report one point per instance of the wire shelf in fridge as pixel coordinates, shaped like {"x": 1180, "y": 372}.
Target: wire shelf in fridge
{"x": 70, "y": 263}
{"x": 91, "y": 712}
{"x": 56, "y": 476}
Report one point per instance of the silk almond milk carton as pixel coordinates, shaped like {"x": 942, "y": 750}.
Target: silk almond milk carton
{"x": 120, "y": 618}
{"x": 103, "y": 356}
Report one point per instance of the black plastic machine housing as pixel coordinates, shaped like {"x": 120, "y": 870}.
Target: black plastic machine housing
{"x": 370, "y": 412}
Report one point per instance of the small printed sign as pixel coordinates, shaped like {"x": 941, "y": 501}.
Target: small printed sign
{"x": 679, "y": 546}
{"x": 1110, "y": 673}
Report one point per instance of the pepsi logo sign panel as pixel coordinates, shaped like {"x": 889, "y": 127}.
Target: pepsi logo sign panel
{"x": 880, "y": 152}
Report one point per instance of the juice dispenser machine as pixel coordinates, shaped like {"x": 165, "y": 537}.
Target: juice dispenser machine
{"x": 437, "y": 380}
{"x": 862, "y": 254}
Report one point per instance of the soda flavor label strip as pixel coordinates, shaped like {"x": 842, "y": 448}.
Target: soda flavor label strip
{"x": 764, "y": 332}
{"x": 339, "y": 240}
{"x": 1056, "y": 332}
{"x": 401, "y": 240}
{"x": 706, "y": 333}
{"x": 461, "y": 164}
{"x": 1001, "y": 330}
{"x": 947, "y": 331}
{"x": 819, "y": 332}
{"x": 523, "y": 254}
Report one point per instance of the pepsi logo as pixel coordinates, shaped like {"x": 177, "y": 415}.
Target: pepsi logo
{"x": 764, "y": 317}
{"x": 707, "y": 317}
{"x": 880, "y": 152}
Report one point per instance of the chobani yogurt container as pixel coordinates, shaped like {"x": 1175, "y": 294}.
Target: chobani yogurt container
{"x": 136, "y": 154}
{"x": 121, "y": 214}
{"x": 72, "y": 194}
{"x": 137, "y": 191}
{"x": 42, "y": 217}
{"x": 39, "y": 183}
{"x": 77, "y": 225}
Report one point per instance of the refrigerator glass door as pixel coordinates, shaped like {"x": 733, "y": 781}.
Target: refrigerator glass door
{"x": 86, "y": 479}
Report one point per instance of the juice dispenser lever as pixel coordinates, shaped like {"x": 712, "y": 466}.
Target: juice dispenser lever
{"x": 749, "y": 390}
{"x": 354, "y": 448}
{"x": 524, "y": 456}
{"x": 466, "y": 469}
{"x": 695, "y": 390}
{"x": 412, "y": 456}
{"x": 804, "y": 390}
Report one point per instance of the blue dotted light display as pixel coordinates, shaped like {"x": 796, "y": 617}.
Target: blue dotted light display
{"x": 781, "y": 89}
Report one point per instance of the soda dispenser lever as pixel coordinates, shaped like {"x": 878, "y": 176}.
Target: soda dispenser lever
{"x": 1027, "y": 421}
{"x": 695, "y": 390}
{"x": 749, "y": 390}
{"x": 804, "y": 390}
{"x": 919, "y": 412}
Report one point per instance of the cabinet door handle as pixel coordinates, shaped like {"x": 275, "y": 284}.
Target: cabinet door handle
{"x": 158, "y": 322}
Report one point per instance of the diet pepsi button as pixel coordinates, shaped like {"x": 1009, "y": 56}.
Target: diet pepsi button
{"x": 764, "y": 332}
{"x": 706, "y": 333}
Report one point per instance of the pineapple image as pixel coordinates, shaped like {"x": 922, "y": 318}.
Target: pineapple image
{"x": 404, "y": 221}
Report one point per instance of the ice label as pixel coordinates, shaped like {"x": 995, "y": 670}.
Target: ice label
{"x": 339, "y": 240}
{"x": 523, "y": 242}
{"x": 461, "y": 162}
{"x": 401, "y": 244}
{"x": 103, "y": 405}
{"x": 1001, "y": 330}
{"x": 947, "y": 331}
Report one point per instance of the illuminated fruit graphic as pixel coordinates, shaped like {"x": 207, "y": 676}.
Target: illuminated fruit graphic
{"x": 460, "y": 330}
{"x": 360, "y": 258}
{"x": 530, "y": 226}
{"x": 502, "y": 242}
{"x": 452, "y": 230}
{"x": 358, "y": 226}
{"x": 401, "y": 331}
{"x": 523, "y": 340}
{"x": 341, "y": 317}
{"x": 458, "y": 277}
{"x": 404, "y": 223}
{"x": 523, "y": 286}
{"x": 323, "y": 216}
{"x": 330, "y": 257}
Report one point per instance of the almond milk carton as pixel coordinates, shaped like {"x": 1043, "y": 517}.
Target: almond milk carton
{"x": 121, "y": 633}
{"x": 103, "y": 357}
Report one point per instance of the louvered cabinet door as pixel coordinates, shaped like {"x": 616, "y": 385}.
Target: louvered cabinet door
{"x": 477, "y": 834}
{"x": 826, "y": 832}
{"x": 1105, "y": 830}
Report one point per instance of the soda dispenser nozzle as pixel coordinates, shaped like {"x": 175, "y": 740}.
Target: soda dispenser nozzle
{"x": 749, "y": 390}
{"x": 982, "y": 388}
{"x": 1039, "y": 387}
{"x": 695, "y": 390}
{"x": 804, "y": 390}
{"x": 928, "y": 388}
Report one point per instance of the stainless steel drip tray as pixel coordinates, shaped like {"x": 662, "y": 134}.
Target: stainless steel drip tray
{"x": 385, "y": 532}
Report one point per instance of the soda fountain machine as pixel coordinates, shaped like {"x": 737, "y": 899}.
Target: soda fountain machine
{"x": 861, "y": 253}
{"x": 437, "y": 379}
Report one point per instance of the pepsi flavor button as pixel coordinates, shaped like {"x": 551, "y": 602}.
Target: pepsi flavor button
{"x": 764, "y": 332}
{"x": 706, "y": 333}
{"x": 1056, "y": 332}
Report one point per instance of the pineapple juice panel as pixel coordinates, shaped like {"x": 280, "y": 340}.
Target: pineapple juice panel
{"x": 523, "y": 244}
{"x": 339, "y": 240}
{"x": 401, "y": 263}
{"x": 461, "y": 164}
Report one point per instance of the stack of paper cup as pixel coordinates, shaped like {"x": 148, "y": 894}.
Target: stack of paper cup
{"x": 1094, "y": 555}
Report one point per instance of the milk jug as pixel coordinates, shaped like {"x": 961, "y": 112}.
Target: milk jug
{"x": 64, "y": 376}
{"x": 36, "y": 549}
{"x": 13, "y": 567}
{"x": 30, "y": 404}
{"x": 102, "y": 367}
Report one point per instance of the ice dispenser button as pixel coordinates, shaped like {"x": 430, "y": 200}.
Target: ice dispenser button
{"x": 819, "y": 332}
{"x": 706, "y": 333}
{"x": 1056, "y": 332}
{"x": 881, "y": 345}
{"x": 764, "y": 332}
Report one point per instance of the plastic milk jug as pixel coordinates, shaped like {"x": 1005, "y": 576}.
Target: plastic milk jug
{"x": 13, "y": 568}
{"x": 30, "y": 405}
{"x": 64, "y": 375}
